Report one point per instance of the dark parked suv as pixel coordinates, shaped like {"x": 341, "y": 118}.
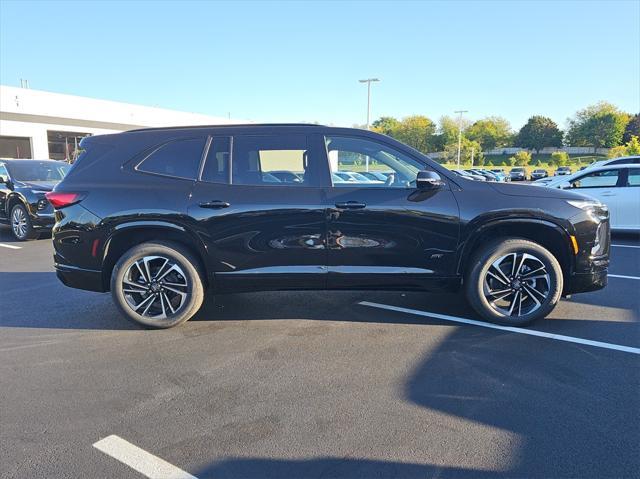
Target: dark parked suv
{"x": 23, "y": 184}
{"x": 159, "y": 216}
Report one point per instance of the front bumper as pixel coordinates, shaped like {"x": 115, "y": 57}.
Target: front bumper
{"x": 585, "y": 282}
{"x": 43, "y": 221}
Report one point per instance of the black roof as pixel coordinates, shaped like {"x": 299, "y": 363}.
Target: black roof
{"x": 233, "y": 125}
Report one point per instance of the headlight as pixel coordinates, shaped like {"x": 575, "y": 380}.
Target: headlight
{"x": 586, "y": 204}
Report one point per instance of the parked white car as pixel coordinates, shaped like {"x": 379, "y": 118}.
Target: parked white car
{"x": 624, "y": 160}
{"x": 617, "y": 186}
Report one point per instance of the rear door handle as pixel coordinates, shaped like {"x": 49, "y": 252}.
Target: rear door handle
{"x": 215, "y": 205}
{"x": 350, "y": 205}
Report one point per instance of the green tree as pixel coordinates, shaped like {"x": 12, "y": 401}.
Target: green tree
{"x": 468, "y": 149}
{"x": 491, "y": 132}
{"x": 385, "y": 125}
{"x": 601, "y": 125}
{"x": 559, "y": 158}
{"x": 447, "y": 132}
{"x": 631, "y": 148}
{"x": 632, "y": 129}
{"x": 416, "y": 131}
{"x": 538, "y": 132}
{"x": 521, "y": 158}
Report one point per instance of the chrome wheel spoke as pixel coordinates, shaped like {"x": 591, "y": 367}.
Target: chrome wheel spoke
{"x": 171, "y": 269}
{"x": 496, "y": 273}
{"x": 136, "y": 287}
{"x": 174, "y": 290}
{"x": 166, "y": 299}
{"x": 157, "y": 276}
{"x": 516, "y": 296}
{"x": 145, "y": 302}
{"x": 533, "y": 296}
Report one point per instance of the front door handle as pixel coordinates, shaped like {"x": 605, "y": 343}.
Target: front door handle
{"x": 350, "y": 205}
{"x": 608, "y": 193}
{"x": 215, "y": 204}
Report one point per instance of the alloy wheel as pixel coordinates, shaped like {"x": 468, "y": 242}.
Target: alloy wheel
{"x": 19, "y": 223}
{"x": 516, "y": 284}
{"x": 155, "y": 287}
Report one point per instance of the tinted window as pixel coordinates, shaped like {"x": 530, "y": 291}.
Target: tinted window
{"x": 634, "y": 177}
{"x": 350, "y": 157}
{"x": 625, "y": 161}
{"x": 32, "y": 170}
{"x": 4, "y": 174}
{"x": 179, "y": 158}
{"x": 216, "y": 167}
{"x": 598, "y": 179}
{"x": 271, "y": 160}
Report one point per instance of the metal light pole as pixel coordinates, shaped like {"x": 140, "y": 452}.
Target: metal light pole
{"x": 368, "y": 82}
{"x": 460, "y": 133}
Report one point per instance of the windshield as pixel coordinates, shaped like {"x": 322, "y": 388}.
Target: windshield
{"x": 32, "y": 170}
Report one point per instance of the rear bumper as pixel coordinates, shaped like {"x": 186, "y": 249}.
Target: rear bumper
{"x": 80, "y": 278}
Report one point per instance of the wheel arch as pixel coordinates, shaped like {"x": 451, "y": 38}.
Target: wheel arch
{"x": 13, "y": 199}
{"x": 550, "y": 235}
{"x": 127, "y": 235}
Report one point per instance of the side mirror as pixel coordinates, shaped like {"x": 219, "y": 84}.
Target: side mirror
{"x": 428, "y": 180}
{"x": 3, "y": 180}
{"x": 565, "y": 185}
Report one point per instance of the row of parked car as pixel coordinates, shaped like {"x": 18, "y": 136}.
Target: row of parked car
{"x": 516, "y": 174}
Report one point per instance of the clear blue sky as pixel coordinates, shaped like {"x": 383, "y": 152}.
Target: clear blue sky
{"x": 301, "y": 61}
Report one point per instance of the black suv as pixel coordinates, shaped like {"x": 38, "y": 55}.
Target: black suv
{"x": 158, "y": 216}
{"x": 23, "y": 184}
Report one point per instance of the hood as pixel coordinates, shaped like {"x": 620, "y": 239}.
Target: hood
{"x": 38, "y": 185}
{"x": 534, "y": 191}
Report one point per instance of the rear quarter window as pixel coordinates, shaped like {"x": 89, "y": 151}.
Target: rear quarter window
{"x": 177, "y": 159}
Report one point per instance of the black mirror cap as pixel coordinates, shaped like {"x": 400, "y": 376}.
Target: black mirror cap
{"x": 428, "y": 180}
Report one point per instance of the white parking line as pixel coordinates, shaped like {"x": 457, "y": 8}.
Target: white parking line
{"x": 142, "y": 461}
{"x": 622, "y": 276}
{"x": 10, "y": 246}
{"x": 625, "y": 246}
{"x": 530, "y": 332}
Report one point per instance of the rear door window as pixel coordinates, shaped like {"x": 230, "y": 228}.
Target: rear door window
{"x": 274, "y": 160}
{"x": 216, "y": 166}
{"x": 634, "y": 177}
{"x": 177, "y": 159}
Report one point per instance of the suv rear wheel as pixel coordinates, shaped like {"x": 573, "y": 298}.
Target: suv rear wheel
{"x": 514, "y": 282}
{"x": 157, "y": 284}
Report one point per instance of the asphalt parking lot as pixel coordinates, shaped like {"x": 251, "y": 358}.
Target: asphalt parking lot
{"x": 311, "y": 385}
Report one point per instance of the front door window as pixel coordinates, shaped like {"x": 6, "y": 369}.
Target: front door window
{"x": 361, "y": 162}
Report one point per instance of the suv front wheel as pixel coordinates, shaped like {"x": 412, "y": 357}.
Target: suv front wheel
{"x": 157, "y": 284}
{"x": 21, "y": 226}
{"x": 514, "y": 282}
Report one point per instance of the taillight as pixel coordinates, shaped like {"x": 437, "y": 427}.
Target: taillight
{"x": 60, "y": 199}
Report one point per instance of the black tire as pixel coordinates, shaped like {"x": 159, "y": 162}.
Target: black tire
{"x": 21, "y": 225}
{"x": 187, "y": 271}
{"x": 478, "y": 281}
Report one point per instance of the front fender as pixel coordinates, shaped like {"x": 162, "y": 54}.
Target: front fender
{"x": 512, "y": 220}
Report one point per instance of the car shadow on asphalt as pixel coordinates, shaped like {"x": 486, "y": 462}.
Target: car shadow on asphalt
{"x": 564, "y": 411}
{"x": 7, "y": 237}
{"x": 330, "y": 467}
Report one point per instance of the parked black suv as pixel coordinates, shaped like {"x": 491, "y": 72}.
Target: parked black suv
{"x": 158, "y": 216}
{"x": 23, "y": 184}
